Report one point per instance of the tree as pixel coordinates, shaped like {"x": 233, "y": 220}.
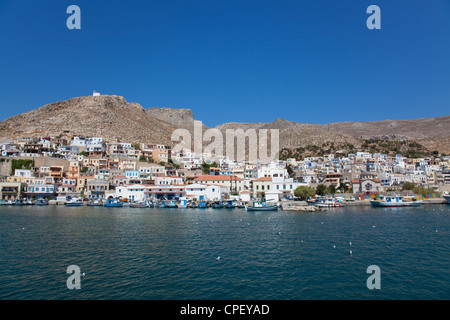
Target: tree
{"x": 408, "y": 186}
{"x": 343, "y": 187}
{"x": 332, "y": 189}
{"x": 205, "y": 167}
{"x": 322, "y": 190}
{"x": 304, "y": 192}
{"x": 290, "y": 171}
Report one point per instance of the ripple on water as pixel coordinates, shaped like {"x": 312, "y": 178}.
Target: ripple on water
{"x": 172, "y": 254}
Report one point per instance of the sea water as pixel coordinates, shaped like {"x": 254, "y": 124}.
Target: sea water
{"x": 206, "y": 254}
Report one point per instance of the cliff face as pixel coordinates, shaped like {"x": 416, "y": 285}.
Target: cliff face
{"x": 183, "y": 118}
{"x": 110, "y": 117}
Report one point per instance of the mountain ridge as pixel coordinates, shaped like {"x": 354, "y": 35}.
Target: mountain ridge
{"x": 115, "y": 119}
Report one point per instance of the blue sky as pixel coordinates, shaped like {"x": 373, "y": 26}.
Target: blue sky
{"x": 243, "y": 61}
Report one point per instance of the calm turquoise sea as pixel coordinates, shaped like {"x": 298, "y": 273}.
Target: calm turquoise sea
{"x": 153, "y": 254}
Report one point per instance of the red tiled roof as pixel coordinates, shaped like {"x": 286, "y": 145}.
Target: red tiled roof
{"x": 263, "y": 179}
{"x": 218, "y": 178}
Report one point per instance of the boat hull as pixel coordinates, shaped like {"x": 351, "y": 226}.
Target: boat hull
{"x": 265, "y": 208}
{"x": 395, "y": 204}
{"x": 447, "y": 198}
{"x": 74, "y": 204}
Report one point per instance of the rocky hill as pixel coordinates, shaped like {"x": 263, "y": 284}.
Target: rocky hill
{"x": 183, "y": 118}
{"x": 114, "y": 119}
{"x": 433, "y": 133}
{"x": 294, "y": 135}
{"x": 110, "y": 117}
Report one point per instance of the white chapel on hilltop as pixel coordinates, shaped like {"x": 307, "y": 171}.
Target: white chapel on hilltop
{"x": 96, "y": 94}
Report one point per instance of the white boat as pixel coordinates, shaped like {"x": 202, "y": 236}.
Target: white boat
{"x": 74, "y": 202}
{"x": 262, "y": 206}
{"x": 447, "y": 198}
{"x": 395, "y": 201}
{"x": 326, "y": 202}
{"x": 183, "y": 203}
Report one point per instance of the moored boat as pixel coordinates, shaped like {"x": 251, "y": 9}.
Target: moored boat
{"x": 447, "y": 198}
{"x": 141, "y": 204}
{"x": 218, "y": 204}
{"x": 326, "y": 202}
{"x": 262, "y": 206}
{"x": 74, "y": 202}
{"x": 193, "y": 204}
{"x": 113, "y": 203}
{"x": 230, "y": 204}
{"x": 395, "y": 201}
{"x": 183, "y": 203}
{"x": 95, "y": 203}
{"x": 41, "y": 202}
{"x": 203, "y": 204}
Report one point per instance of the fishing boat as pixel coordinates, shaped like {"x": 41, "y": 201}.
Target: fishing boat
{"x": 140, "y": 204}
{"x": 203, "y": 204}
{"x": 183, "y": 203}
{"x": 447, "y": 198}
{"x": 395, "y": 201}
{"x": 241, "y": 205}
{"x": 161, "y": 204}
{"x": 41, "y": 202}
{"x": 262, "y": 206}
{"x": 171, "y": 204}
{"x": 74, "y": 202}
{"x": 95, "y": 203}
{"x": 113, "y": 203}
{"x": 230, "y": 204}
{"x": 193, "y": 205}
{"x": 218, "y": 204}
{"x": 326, "y": 202}
{"x": 20, "y": 202}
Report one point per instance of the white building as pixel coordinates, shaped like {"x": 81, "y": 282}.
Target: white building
{"x": 23, "y": 173}
{"x": 205, "y": 192}
{"x": 165, "y": 180}
{"x": 132, "y": 192}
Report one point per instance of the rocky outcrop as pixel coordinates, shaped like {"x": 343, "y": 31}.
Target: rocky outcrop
{"x": 179, "y": 117}
{"x": 110, "y": 117}
{"x": 115, "y": 119}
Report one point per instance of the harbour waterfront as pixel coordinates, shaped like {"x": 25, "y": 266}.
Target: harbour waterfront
{"x": 202, "y": 254}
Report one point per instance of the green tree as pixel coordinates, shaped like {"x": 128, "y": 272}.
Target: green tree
{"x": 408, "y": 186}
{"x": 332, "y": 189}
{"x": 84, "y": 169}
{"x": 304, "y": 192}
{"x": 322, "y": 190}
{"x": 343, "y": 187}
{"x": 290, "y": 171}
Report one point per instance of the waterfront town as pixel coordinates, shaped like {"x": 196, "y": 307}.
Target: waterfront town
{"x": 58, "y": 168}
